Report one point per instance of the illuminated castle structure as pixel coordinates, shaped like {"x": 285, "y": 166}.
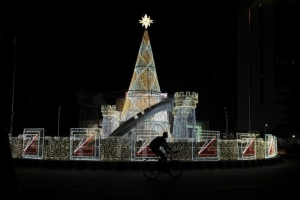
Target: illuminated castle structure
{"x": 110, "y": 119}
{"x": 144, "y": 91}
{"x": 145, "y": 113}
{"x": 184, "y": 114}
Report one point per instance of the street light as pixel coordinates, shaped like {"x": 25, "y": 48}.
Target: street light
{"x": 265, "y": 128}
{"x": 59, "y": 112}
{"x": 249, "y": 62}
{"x": 13, "y": 92}
{"x": 249, "y": 65}
{"x": 226, "y": 117}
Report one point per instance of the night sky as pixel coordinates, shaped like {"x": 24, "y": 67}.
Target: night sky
{"x": 62, "y": 48}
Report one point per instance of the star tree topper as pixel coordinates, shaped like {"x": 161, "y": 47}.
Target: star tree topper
{"x": 146, "y": 21}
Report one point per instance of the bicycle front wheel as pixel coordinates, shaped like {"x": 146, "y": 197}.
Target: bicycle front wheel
{"x": 175, "y": 168}
{"x": 151, "y": 170}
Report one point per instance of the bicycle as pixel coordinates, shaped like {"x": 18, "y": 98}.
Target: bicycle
{"x": 153, "y": 169}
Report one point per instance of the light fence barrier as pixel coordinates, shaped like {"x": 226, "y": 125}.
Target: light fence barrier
{"x": 246, "y": 146}
{"x": 84, "y": 144}
{"x": 33, "y": 142}
{"x": 90, "y": 144}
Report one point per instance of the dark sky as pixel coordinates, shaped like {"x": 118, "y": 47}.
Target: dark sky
{"x": 62, "y": 48}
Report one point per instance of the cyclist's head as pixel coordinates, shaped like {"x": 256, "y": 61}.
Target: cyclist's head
{"x": 165, "y": 134}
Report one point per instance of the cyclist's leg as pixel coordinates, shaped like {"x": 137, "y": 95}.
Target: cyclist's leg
{"x": 163, "y": 158}
{"x": 165, "y": 162}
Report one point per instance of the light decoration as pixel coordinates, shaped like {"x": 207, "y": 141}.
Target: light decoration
{"x": 115, "y": 148}
{"x": 125, "y": 148}
{"x": 111, "y": 119}
{"x": 144, "y": 91}
{"x": 56, "y": 148}
{"x": 275, "y": 146}
{"x": 141, "y": 150}
{"x": 196, "y": 132}
{"x": 184, "y": 114}
{"x": 184, "y": 146}
{"x": 33, "y": 143}
{"x": 260, "y": 148}
{"x": 270, "y": 146}
{"x": 84, "y": 144}
{"x": 246, "y": 146}
{"x": 146, "y": 21}
{"x": 207, "y": 146}
{"x": 228, "y": 150}
{"x": 16, "y": 145}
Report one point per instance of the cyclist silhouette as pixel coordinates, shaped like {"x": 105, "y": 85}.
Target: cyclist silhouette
{"x": 156, "y": 143}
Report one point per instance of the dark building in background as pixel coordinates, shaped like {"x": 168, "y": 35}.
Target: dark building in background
{"x": 90, "y": 103}
{"x": 267, "y": 60}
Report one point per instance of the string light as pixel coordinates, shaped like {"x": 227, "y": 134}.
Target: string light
{"x": 246, "y": 146}
{"x": 184, "y": 114}
{"x": 270, "y": 146}
{"x": 33, "y": 142}
{"x": 85, "y": 144}
{"x": 144, "y": 90}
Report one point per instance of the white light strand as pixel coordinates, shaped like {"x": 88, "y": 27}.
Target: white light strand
{"x": 184, "y": 114}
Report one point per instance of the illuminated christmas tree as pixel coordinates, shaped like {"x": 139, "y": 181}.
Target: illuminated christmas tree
{"x": 144, "y": 90}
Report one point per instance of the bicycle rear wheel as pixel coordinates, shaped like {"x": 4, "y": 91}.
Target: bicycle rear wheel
{"x": 151, "y": 170}
{"x": 175, "y": 168}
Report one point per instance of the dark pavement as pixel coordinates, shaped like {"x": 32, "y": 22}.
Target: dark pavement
{"x": 279, "y": 181}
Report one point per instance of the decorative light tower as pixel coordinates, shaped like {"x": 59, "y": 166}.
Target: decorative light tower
{"x": 111, "y": 119}
{"x": 144, "y": 90}
{"x": 184, "y": 114}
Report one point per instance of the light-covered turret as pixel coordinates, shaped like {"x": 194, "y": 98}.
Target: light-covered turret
{"x": 184, "y": 114}
{"x": 111, "y": 119}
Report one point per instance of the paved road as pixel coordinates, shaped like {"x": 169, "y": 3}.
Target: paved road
{"x": 277, "y": 181}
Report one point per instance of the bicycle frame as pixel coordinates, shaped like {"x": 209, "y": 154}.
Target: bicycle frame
{"x": 152, "y": 170}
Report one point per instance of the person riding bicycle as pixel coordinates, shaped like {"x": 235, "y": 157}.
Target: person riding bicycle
{"x": 156, "y": 143}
